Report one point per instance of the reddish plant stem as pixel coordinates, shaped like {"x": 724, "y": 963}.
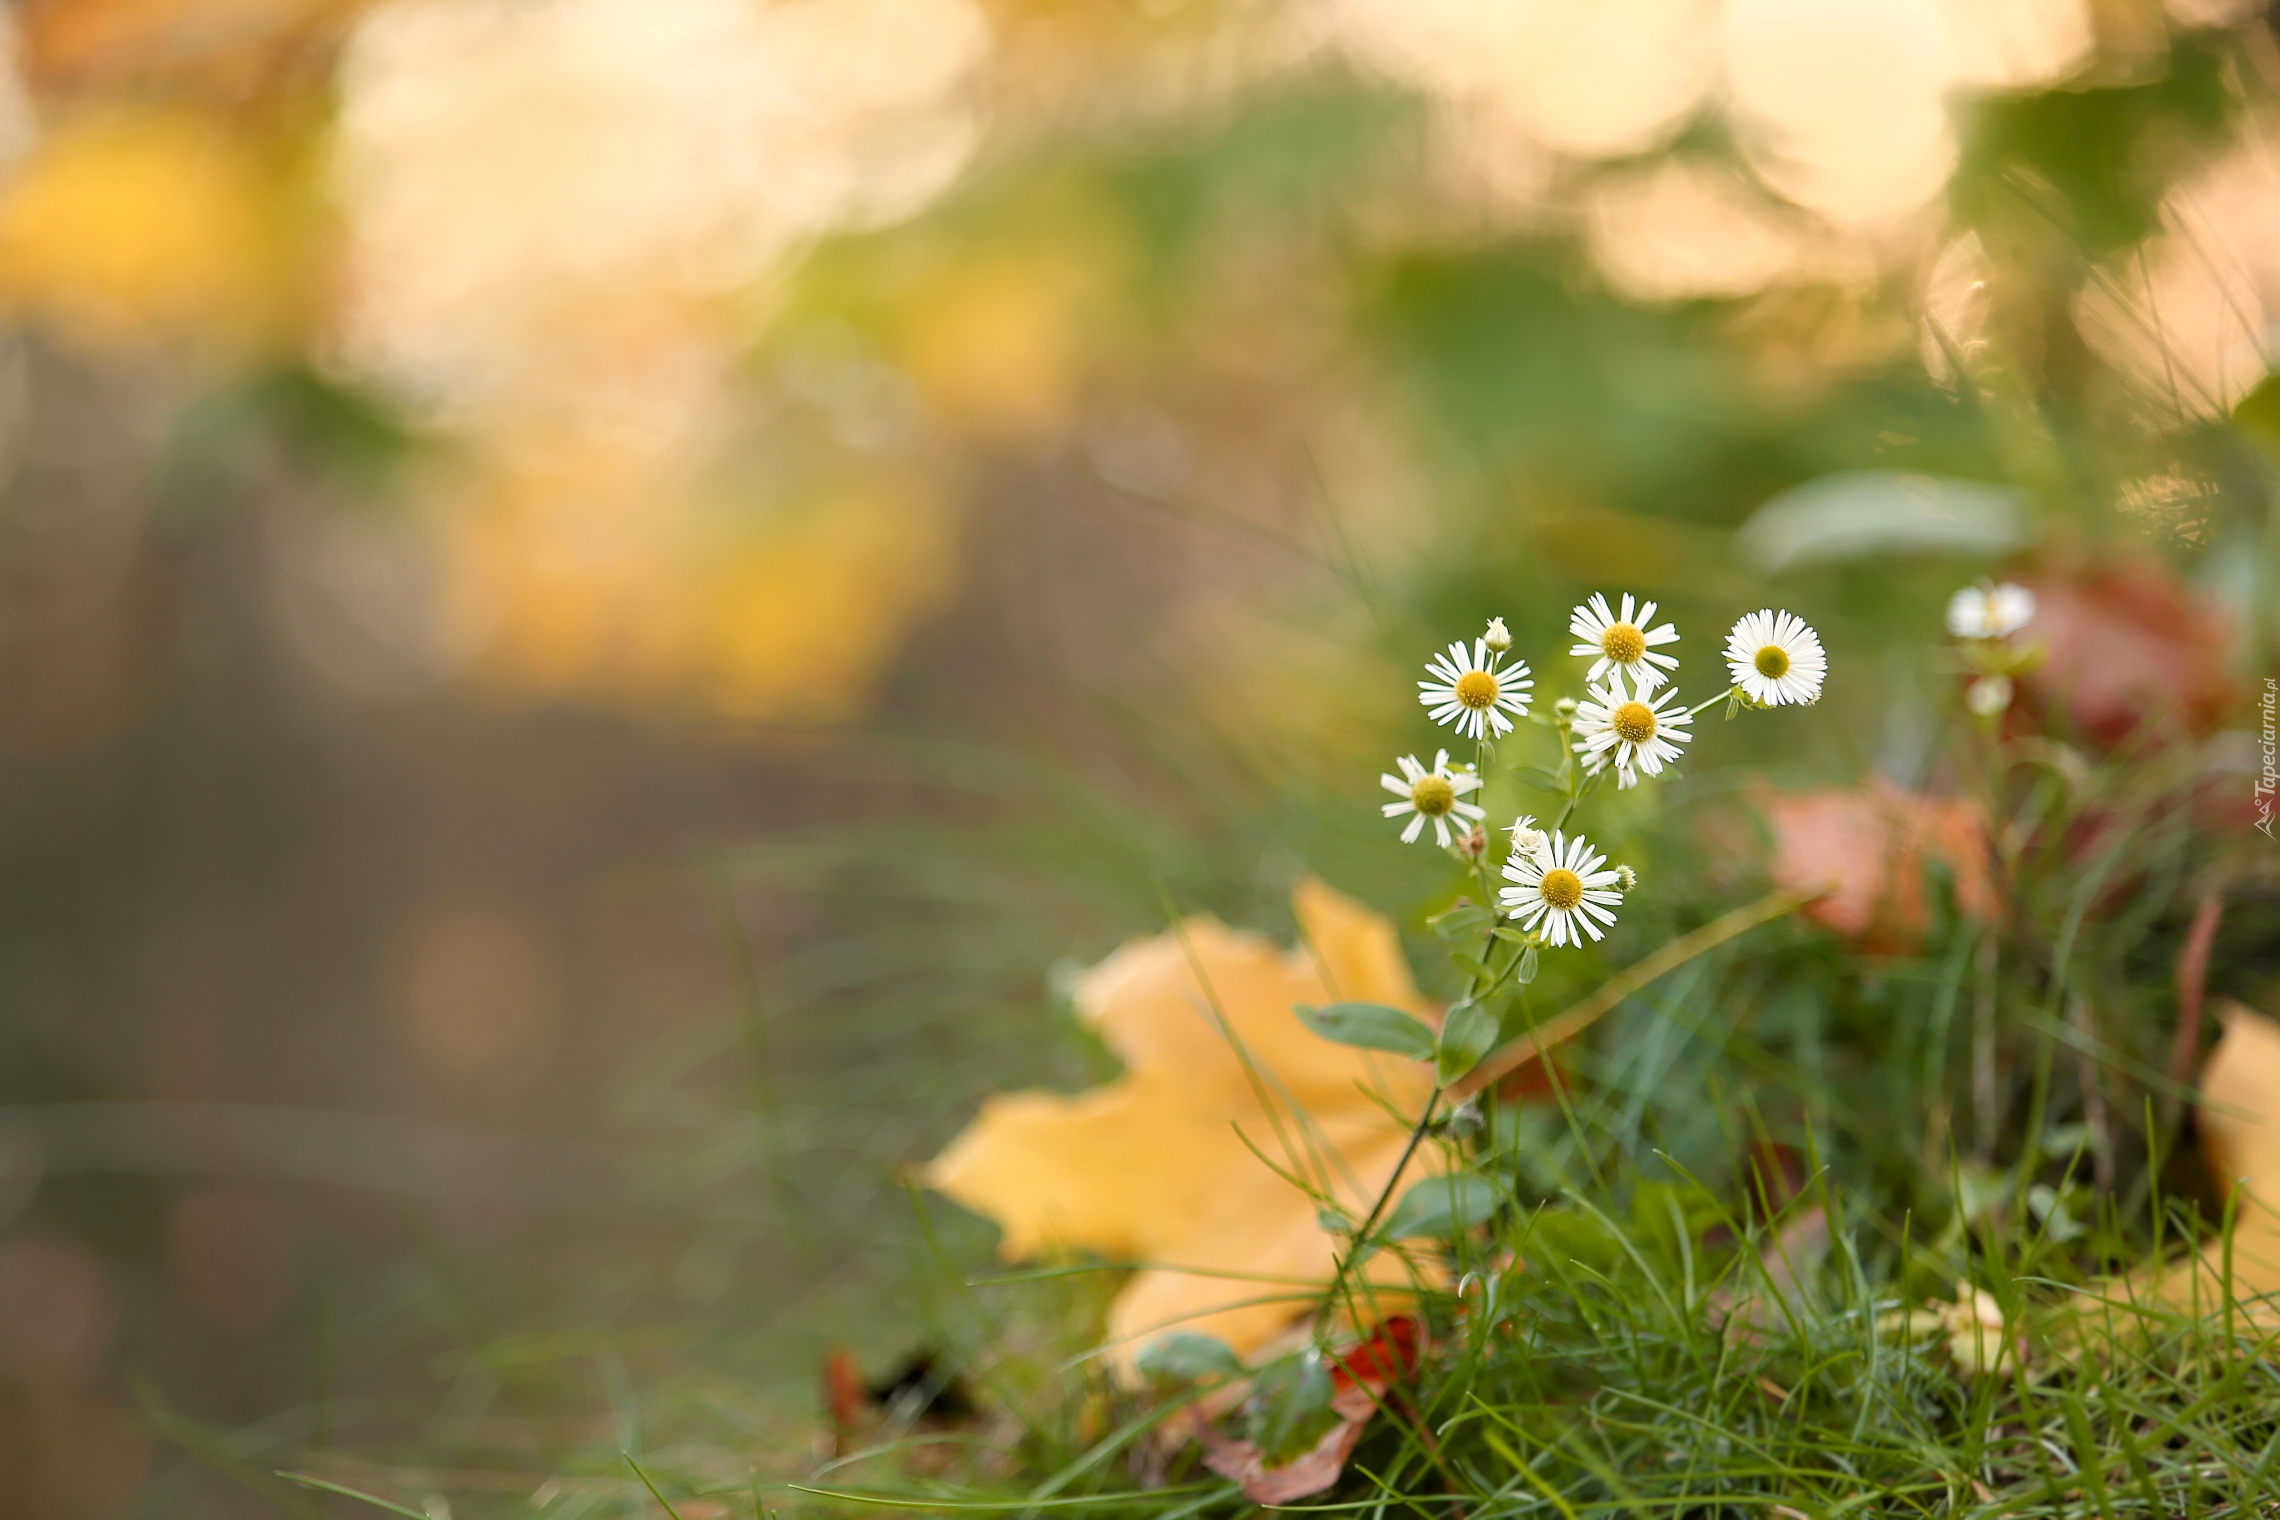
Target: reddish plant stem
{"x": 2193, "y": 984}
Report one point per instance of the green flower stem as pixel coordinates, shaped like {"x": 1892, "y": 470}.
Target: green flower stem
{"x": 1474, "y": 991}
{"x": 1361, "y": 1236}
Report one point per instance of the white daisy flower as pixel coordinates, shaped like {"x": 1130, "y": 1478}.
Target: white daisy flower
{"x": 1561, "y": 892}
{"x": 1632, "y": 734}
{"x": 1776, "y": 658}
{"x": 1473, "y": 688}
{"x": 1989, "y": 612}
{"x": 1433, "y": 794}
{"x": 1527, "y": 839}
{"x": 1622, "y": 643}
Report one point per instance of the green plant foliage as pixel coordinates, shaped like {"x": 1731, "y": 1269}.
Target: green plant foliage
{"x": 1441, "y": 1207}
{"x": 1290, "y": 1406}
{"x": 1185, "y": 1358}
{"x": 1371, "y": 1026}
{"x": 2092, "y": 161}
{"x": 1467, "y": 1034}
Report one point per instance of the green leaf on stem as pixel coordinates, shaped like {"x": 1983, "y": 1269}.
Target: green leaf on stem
{"x": 1290, "y": 1406}
{"x": 1185, "y": 1358}
{"x": 1543, "y": 779}
{"x": 1440, "y": 1207}
{"x": 1467, "y": 1034}
{"x": 1525, "y": 972}
{"x": 1371, "y": 1026}
{"x": 1461, "y": 922}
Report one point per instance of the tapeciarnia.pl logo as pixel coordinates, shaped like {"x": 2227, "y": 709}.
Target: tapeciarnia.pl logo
{"x": 2268, "y": 748}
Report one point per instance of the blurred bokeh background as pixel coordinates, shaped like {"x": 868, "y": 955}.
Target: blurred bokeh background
{"x": 594, "y": 592}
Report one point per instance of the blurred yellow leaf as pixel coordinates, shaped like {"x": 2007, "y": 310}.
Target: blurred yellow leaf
{"x": 2240, "y": 1140}
{"x": 1153, "y": 1167}
{"x": 130, "y": 226}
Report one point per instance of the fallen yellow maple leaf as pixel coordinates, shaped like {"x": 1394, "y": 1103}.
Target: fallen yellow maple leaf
{"x": 2239, "y": 1115}
{"x": 1154, "y": 1167}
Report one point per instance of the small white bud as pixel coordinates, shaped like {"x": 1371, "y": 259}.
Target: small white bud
{"x": 1565, "y": 707}
{"x": 1626, "y": 878}
{"x": 1988, "y": 695}
{"x": 1498, "y": 638}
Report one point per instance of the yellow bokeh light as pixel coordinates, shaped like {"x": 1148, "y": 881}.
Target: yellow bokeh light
{"x": 2186, "y": 315}
{"x": 1841, "y": 101}
{"x": 581, "y": 564}
{"x": 1594, "y": 78}
{"x": 996, "y": 342}
{"x": 557, "y": 218}
{"x": 133, "y": 225}
{"x": 2017, "y": 44}
{"x": 1685, "y": 229}
{"x": 509, "y": 172}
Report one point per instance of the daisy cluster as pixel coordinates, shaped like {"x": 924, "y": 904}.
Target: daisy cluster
{"x": 1629, "y": 722}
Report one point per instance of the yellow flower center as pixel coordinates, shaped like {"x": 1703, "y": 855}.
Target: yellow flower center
{"x": 1476, "y": 689}
{"x": 1561, "y": 888}
{"x": 1623, "y": 643}
{"x": 1433, "y": 795}
{"x": 1633, "y": 722}
{"x": 1773, "y": 662}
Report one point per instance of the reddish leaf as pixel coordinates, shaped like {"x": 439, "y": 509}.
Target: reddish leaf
{"x": 1310, "y": 1473}
{"x": 1868, "y": 847}
{"x": 843, "y": 1398}
{"x": 1361, "y": 1373}
{"x": 1390, "y": 1355}
{"x": 2132, "y": 651}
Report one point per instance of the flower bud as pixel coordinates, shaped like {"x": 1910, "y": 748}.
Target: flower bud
{"x": 1565, "y": 707}
{"x": 1626, "y": 878}
{"x": 1498, "y": 638}
{"x": 1988, "y": 695}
